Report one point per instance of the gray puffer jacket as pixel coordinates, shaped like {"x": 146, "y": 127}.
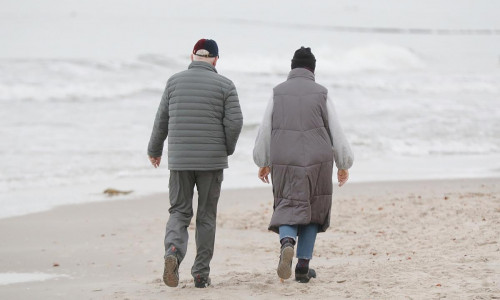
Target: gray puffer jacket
{"x": 200, "y": 112}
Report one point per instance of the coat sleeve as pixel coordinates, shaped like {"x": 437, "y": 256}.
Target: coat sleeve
{"x": 262, "y": 148}
{"x": 342, "y": 152}
{"x": 160, "y": 127}
{"x": 233, "y": 119}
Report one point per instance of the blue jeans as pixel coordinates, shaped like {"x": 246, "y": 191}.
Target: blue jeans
{"x": 307, "y": 238}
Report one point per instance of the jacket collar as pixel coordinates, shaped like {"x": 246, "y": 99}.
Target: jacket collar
{"x": 301, "y": 72}
{"x": 202, "y": 65}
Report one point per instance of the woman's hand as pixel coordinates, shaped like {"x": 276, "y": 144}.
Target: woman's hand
{"x": 264, "y": 174}
{"x": 342, "y": 176}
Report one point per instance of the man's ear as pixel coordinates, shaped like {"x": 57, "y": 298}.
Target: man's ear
{"x": 191, "y": 56}
{"x": 215, "y": 61}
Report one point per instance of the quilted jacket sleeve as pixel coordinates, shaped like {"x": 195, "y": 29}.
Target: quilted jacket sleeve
{"x": 233, "y": 119}
{"x": 160, "y": 127}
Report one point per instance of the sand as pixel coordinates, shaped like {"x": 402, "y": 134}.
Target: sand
{"x": 389, "y": 240}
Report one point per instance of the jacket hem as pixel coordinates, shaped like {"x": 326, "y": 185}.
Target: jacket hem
{"x": 197, "y": 168}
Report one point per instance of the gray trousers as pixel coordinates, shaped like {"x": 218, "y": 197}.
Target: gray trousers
{"x": 181, "y": 189}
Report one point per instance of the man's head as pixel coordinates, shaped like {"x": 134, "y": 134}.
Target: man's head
{"x": 303, "y": 58}
{"x": 205, "y": 50}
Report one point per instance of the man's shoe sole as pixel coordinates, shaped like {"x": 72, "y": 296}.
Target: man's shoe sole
{"x": 170, "y": 276}
{"x": 285, "y": 264}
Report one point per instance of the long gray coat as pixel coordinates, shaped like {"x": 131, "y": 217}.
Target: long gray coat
{"x": 200, "y": 113}
{"x": 301, "y": 153}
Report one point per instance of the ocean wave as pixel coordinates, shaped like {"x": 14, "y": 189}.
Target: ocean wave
{"x": 372, "y": 67}
{"x": 69, "y": 80}
{"x": 366, "y": 29}
{"x": 369, "y": 58}
{"x": 419, "y": 83}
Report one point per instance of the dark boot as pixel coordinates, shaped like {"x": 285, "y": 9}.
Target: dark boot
{"x": 304, "y": 274}
{"x": 202, "y": 282}
{"x": 286, "y": 256}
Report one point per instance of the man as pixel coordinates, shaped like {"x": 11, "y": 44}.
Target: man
{"x": 298, "y": 142}
{"x": 200, "y": 113}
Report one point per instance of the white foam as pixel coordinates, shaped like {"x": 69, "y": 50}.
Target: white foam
{"x": 11, "y": 278}
{"x": 371, "y": 57}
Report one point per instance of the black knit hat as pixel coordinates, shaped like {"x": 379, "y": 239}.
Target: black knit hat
{"x": 303, "y": 58}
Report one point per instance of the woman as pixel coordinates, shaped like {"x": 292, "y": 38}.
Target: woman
{"x": 298, "y": 141}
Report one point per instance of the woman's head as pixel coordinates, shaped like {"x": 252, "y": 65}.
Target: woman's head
{"x": 303, "y": 58}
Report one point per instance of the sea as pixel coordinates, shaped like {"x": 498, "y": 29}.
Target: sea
{"x": 416, "y": 85}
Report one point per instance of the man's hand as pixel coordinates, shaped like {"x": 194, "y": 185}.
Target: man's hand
{"x": 264, "y": 174}
{"x": 155, "y": 161}
{"x": 342, "y": 176}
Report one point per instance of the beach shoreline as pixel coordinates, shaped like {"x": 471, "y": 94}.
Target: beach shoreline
{"x": 414, "y": 239}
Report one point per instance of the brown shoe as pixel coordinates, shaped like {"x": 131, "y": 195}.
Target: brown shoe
{"x": 171, "y": 271}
